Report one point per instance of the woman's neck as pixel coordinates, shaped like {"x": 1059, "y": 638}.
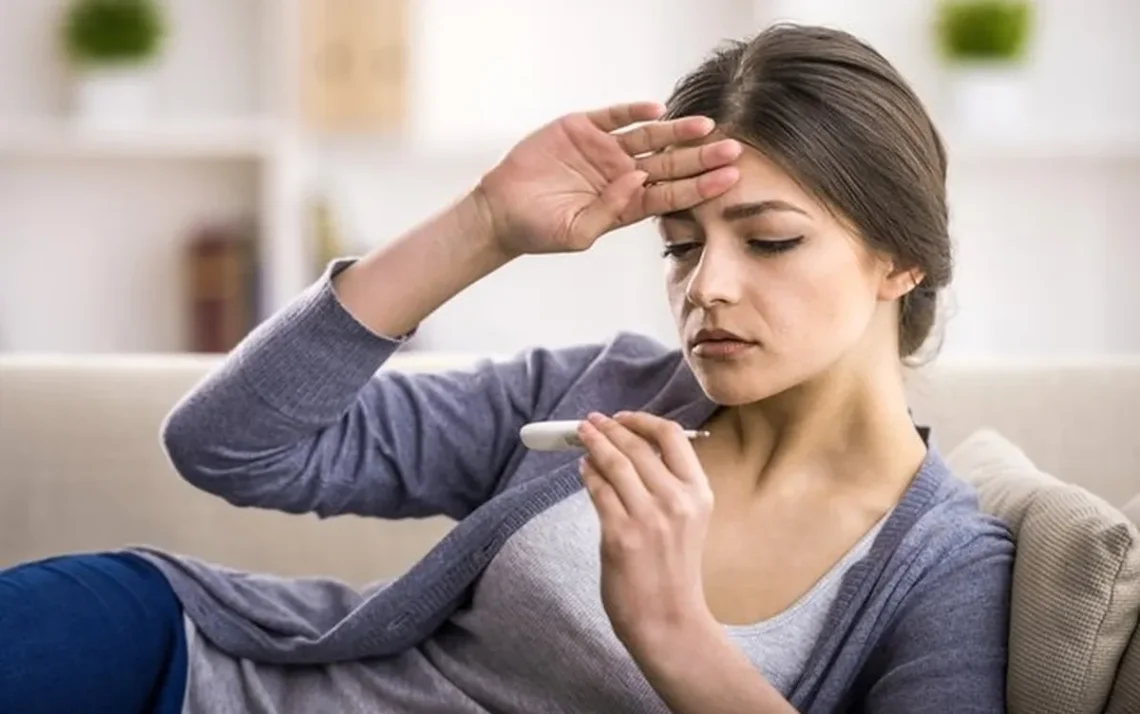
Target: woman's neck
{"x": 849, "y": 427}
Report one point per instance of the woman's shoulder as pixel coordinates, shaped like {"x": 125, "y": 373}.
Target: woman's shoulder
{"x": 944, "y": 588}
{"x": 949, "y": 526}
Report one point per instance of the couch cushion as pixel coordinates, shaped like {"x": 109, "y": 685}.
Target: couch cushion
{"x": 1076, "y": 580}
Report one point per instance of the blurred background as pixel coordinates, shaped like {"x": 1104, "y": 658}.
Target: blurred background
{"x": 173, "y": 171}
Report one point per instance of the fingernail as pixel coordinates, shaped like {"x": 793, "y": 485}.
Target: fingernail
{"x": 596, "y": 418}
{"x": 731, "y": 148}
{"x": 621, "y": 415}
{"x": 584, "y": 430}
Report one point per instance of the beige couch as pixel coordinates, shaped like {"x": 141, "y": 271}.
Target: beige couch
{"x": 81, "y": 466}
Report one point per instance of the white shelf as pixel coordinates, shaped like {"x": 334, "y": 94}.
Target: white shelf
{"x": 196, "y": 139}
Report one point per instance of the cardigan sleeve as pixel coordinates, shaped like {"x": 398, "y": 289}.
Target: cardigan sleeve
{"x": 300, "y": 418}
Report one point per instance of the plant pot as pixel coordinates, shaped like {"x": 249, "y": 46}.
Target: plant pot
{"x": 114, "y": 96}
{"x": 988, "y": 98}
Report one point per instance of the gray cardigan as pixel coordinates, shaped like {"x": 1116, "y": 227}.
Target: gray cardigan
{"x": 300, "y": 418}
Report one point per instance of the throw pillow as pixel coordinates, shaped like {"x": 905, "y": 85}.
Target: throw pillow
{"x": 1125, "y": 698}
{"x": 1076, "y": 579}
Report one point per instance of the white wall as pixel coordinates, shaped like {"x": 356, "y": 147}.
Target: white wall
{"x": 1046, "y": 228}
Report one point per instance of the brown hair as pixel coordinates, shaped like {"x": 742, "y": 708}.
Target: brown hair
{"x": 834, "y": 114}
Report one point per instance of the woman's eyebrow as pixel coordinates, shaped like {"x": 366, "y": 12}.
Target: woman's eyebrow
{"x": 739, "y": 211}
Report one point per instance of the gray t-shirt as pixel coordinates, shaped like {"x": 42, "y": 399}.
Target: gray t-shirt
{"x": 534, "y": 638}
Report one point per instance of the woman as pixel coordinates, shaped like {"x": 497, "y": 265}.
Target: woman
{"x": 812, "y": 554}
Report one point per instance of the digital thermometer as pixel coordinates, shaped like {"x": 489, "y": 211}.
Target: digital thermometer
{"x": 563, "y": 435}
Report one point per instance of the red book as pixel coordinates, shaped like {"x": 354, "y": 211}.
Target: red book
{"x": 221, "y": 267}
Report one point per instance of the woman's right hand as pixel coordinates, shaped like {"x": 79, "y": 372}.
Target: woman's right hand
{"x": 584, "y": 174}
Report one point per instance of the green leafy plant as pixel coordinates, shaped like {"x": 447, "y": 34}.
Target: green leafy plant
{"x": 984, "y": 30}
{"x": 102, "y": 32}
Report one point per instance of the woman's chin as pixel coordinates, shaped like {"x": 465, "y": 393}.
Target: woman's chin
{"x": 733, "y": 387}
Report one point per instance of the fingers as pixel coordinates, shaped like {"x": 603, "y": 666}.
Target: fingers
{"x": 651, "y": 471}
{"x": 605, "y": 213}
{"x": 669, "y": 437}
{"x": 609, "y": 449}
{"x": 605, "y": 498}
{"x": 689, "y": 161}
{"x": 679, "y": 178}
{"x": 659, "y": 135}
{"x": 676, "y": 195}
{"x": 621, "y": 115}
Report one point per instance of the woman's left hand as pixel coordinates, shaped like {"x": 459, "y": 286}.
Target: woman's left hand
{"x": 654, "y": 502}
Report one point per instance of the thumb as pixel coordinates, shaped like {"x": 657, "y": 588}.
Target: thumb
{"x": 604, "y": 212}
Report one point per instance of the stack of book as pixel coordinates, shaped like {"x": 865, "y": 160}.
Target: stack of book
{"x": 223, "y": 287}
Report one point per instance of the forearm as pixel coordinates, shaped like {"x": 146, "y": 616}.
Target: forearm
{"x": 396, "y": 286}
{"x": 280, "y": 415}
{"x": 284, "y": 406}
{"x": 700, "y": 671}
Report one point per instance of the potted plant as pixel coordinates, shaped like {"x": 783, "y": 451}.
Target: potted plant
{"x": 112, "y": 46}
{"x": 984, "y": 43}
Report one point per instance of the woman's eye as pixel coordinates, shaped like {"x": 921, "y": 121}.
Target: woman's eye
{"x": 765, "y": 247}
{"x": 771, "y": 247}
{"x": 679, "y": 250}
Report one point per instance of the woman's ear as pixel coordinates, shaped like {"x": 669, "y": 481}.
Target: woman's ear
{"x": 898, "y": 283}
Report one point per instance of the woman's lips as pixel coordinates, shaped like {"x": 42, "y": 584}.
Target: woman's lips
{"x": 721, "y": 349}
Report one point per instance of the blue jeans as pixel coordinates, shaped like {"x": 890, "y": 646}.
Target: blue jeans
{"x": 98, "y": 633}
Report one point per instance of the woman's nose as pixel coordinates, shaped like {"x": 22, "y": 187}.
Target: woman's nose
{"x": 716, "y": 277}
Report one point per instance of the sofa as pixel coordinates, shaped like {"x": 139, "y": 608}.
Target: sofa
{"x": 1050, "y": 445}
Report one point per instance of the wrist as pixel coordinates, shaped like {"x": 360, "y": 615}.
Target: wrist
{"x": 399, "y": 284}
{"x": 660, "y": 640}
{"x": 477, "y": 217}
{"x": 697, "y": 668}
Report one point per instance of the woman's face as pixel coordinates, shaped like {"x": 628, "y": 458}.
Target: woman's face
{"x": 766, "y": 262}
